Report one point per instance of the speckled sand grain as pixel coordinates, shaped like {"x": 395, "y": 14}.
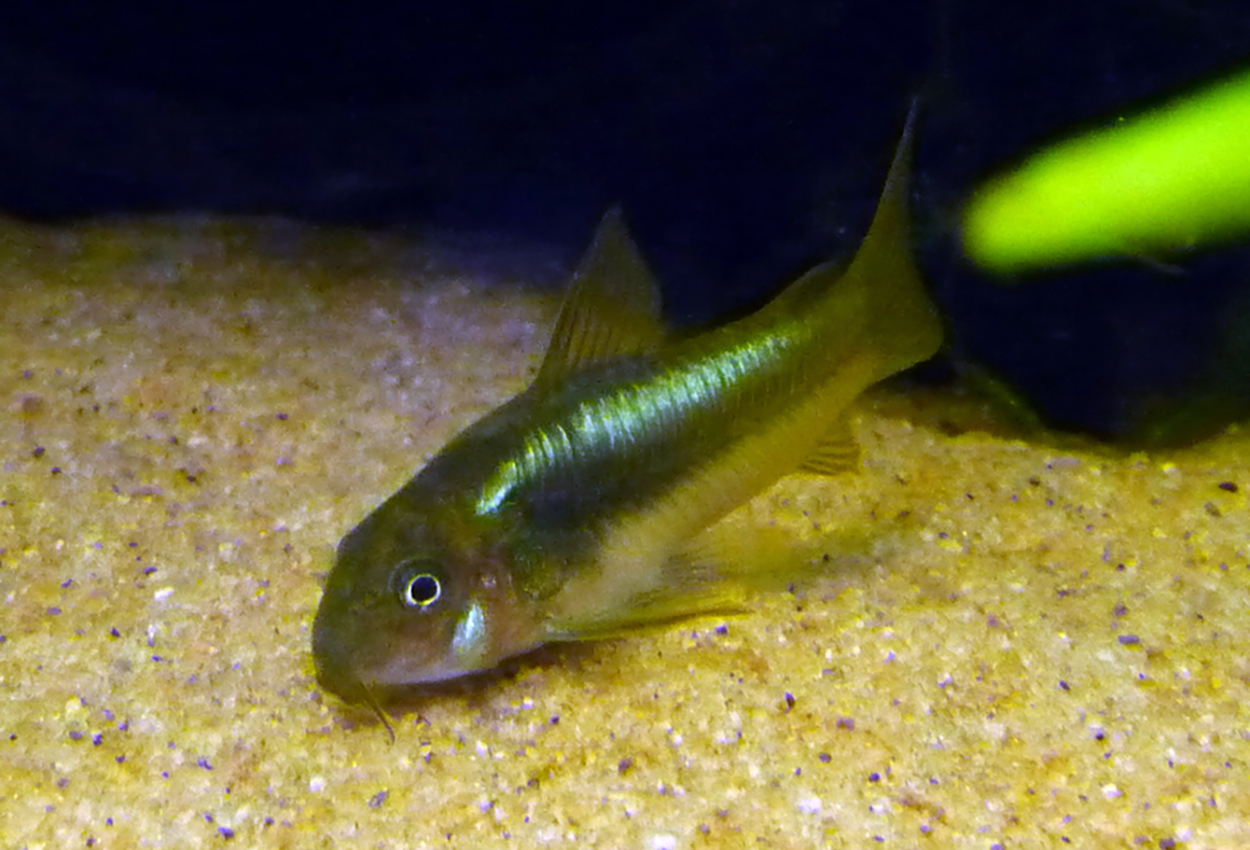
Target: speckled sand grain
{"x": 1014, "y": 645}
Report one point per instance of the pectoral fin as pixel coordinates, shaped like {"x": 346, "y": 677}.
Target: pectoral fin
{"x": 713, "y": 574}
{"x": 656, "y": 608}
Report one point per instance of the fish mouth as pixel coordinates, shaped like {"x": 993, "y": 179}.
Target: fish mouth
{"x": 399, "y": 674}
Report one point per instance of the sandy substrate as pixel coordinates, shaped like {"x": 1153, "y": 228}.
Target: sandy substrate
{"x": 1012, "y": 645}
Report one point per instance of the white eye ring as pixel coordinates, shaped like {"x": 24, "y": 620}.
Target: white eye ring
{"x": 421, "y": 591}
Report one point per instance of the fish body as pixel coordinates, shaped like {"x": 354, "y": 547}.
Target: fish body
{"x": 587, "y": 505}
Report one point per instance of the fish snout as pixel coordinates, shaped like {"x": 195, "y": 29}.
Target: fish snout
{"x": 333, "y": 661}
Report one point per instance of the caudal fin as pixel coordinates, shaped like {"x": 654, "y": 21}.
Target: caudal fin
{"x": 899, "y": 321}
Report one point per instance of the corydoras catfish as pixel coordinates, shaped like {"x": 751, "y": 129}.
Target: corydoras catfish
{"x": 588, "y": 504}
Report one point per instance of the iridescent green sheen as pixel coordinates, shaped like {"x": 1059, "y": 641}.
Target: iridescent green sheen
{"x": 620, "y": 421}
{"x": 588, "y": 504}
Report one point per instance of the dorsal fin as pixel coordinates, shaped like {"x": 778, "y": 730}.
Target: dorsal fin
{"x": 612, "y": 308}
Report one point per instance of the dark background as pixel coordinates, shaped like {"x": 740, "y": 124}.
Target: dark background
{"x": 745, "y": 140}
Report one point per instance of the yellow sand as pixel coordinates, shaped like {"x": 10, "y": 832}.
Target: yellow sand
{"x": 1013, "y": 644}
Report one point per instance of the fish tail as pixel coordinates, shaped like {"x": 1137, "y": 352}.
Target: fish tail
{"x": 898, "y": 322}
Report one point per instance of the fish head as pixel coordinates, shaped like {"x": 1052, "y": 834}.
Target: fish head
{"x": 406, "y": 604}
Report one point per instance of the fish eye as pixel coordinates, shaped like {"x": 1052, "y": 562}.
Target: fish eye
{"x": 422, "y": 590}
{"x": 416, "y": 585}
